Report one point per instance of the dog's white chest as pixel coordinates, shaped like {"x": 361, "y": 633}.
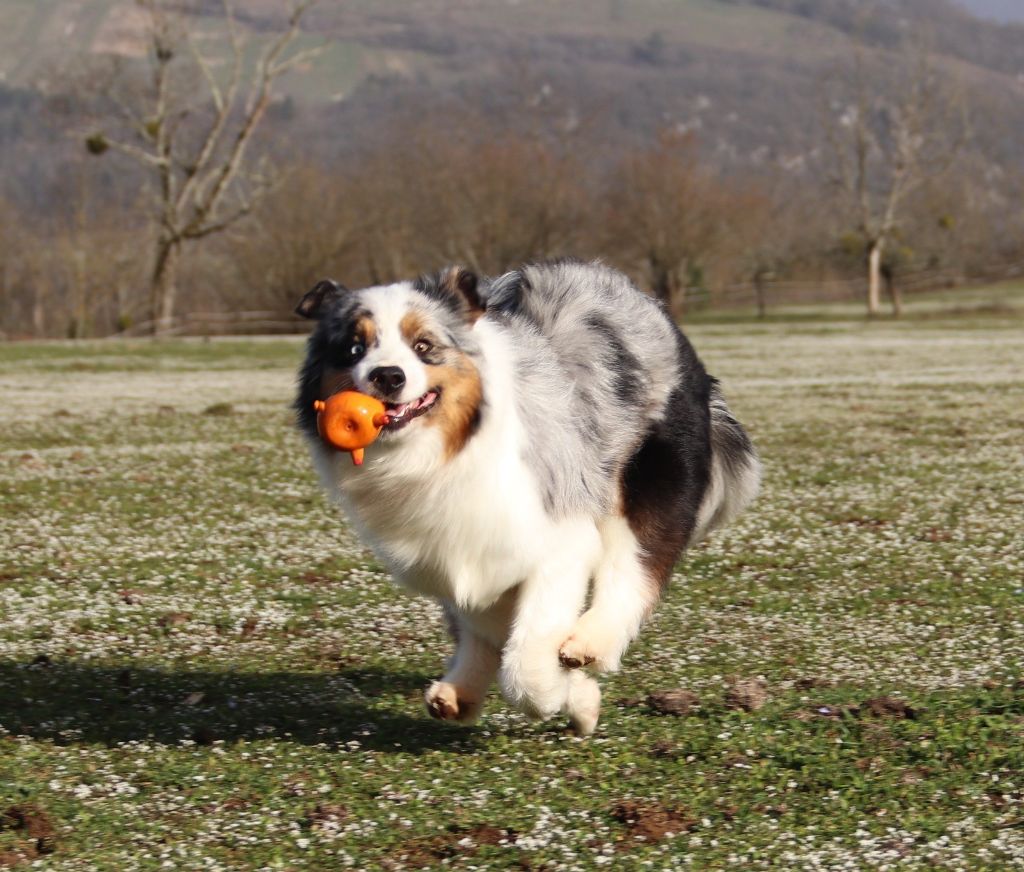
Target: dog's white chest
{"x": 466, "y": 531}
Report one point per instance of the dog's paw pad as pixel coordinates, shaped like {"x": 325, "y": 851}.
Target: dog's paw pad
{"x": 572, "y": 656}
{"x": 442, "y": 710}
{"x": 442, "y": 701}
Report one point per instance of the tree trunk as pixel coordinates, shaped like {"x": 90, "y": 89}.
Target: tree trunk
{"x": 164, "y": 285}
{"x": 78, "y": 327}
{"x": 38, "y": 314}
{"x": 661, "y": 284}
{"x": 874, "y": 276}
{"x": 894, "y": 292}
{"x": 668, "y": 289}
{"x": 759, "y": 291}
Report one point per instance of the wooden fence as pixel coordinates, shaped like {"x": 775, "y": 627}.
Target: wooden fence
{"x": 736, "y": 296}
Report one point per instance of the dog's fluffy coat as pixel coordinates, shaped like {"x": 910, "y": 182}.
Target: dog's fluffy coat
{"x": 554, "y": 435}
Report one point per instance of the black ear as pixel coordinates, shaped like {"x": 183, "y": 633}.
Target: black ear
{"x": 323, "y": 294}
{"x": 462, "y": 282}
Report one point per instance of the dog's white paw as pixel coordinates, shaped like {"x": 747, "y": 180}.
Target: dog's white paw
{"x": 446, "y": 703}
{"x": 584, "y": 704}
{"x": 533, "y": 683}
{"x": 591, "y": 643}
{"x": 575, "y": 653}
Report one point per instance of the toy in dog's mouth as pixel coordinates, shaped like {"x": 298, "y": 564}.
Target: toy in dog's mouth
{"x": 401, "y": 414}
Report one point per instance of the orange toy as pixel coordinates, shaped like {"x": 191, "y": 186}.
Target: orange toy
{"x": 350, "y": 421}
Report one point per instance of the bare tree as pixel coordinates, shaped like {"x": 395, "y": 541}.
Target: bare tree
{"x": 503, "y": 202}
{"x": 93, "y": 267}
{"x": 662, "y": 216}
{"x": 21, "y": 310}
{"x": 885, "y": 139}
{"x": 191, "y": 131}
{"x": 760, "y": 248}
{"x": 303, "y": 230}
{"x": 471, "y": 191}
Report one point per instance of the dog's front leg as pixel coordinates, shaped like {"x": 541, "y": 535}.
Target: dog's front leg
{"x": 459, "y": 695}
{"x": 549, "y": 602}
{"x": 625, "y": 593}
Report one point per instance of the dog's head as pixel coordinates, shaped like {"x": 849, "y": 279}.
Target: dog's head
{"x": 409, "y": 344}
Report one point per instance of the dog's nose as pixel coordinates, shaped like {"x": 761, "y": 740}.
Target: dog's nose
{"x": 388, "y": 379}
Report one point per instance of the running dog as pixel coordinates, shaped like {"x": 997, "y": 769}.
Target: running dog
{"x": 552, "y": 445}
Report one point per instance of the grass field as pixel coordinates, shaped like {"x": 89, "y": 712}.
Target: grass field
{"x": 201, "y": 669}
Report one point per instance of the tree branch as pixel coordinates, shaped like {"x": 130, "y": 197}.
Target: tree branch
{"x": 133, "y": 151}
{"x": 208, "y": 196}
{"x": 195, "y": 169}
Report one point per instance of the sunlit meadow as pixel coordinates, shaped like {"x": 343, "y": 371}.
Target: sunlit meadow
{"x": 201, "y": 668}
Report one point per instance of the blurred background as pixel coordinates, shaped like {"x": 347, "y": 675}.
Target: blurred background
{"x": 192, "y": 166}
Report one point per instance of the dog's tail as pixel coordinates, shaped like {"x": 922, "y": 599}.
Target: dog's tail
{"x": 735, "y": 470}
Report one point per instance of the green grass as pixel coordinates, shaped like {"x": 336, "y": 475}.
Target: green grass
{"x": 986, "y": 307}
{"x": 201, "y": 668}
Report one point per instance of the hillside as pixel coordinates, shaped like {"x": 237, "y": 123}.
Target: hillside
{"x": 747, "y": 78}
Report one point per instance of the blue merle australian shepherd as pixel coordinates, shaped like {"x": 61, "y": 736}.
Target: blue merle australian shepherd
{"x": 553, "y": 445}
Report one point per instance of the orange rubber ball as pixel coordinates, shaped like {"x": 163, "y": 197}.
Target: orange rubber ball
{"x": 349, "y": 421}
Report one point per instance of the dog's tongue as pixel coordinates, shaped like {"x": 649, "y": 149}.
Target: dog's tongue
{"x": 396, "y": 411}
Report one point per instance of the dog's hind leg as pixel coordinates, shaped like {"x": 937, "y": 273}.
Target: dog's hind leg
{"x": 662, "y": 487}
{"x": 459, "y": 695}
{"x": 549, "y": 603}
{"x": 624, "y": 595}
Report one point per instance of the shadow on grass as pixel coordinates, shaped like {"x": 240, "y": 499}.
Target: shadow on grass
{"x": 72, "y": 703}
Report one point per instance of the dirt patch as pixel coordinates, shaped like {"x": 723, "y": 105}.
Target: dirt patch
{"x": 665, "y": 750}
{"x": 877, "y": 707}
{"x": 887, "y": 707}
{"x": 676, "y": 702}
{"x": 835, "y": 712}
{"x": 812, "y": 682}
{"x": 429, "y": 851}
{"x": 649, "y": 821}
{"x": 748, "y": 694}
{"x": 32, "y": 823}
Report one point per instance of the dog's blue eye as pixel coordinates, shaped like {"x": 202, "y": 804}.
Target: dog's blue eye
{"x": 357, "y": 349}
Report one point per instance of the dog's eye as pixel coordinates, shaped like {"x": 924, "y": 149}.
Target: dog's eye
{"x": 357, "y": 349}
{"x": 422, "y": 347}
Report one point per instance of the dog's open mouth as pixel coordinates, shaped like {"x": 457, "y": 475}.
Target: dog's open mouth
{"x": 400, "y": 414}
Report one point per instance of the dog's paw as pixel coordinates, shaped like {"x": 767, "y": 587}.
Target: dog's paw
{"x": 531, "y": 681}
{"x": 592, "y": 643}
{"x": 444, "y": 703}
{"x": 584, "y": 704}
{"x": 573, "y": 654}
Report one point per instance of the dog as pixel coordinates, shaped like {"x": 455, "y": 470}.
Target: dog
{"x": 552, "y": 445}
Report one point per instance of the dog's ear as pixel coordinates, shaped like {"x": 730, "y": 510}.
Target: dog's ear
{"x": 323, "y": 294}
{"x": 462, "y": 283}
